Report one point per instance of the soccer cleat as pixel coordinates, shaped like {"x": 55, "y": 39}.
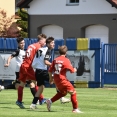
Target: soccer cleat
{"x": 1, "y": 87}
{"x": 48, "y": 102}
{"x": 64, "y": 100}
{"x": 76, "y": 111}
{"x": 42, "y": 101}
{"x": 33, "y": 106}
{"x": 20, "y": 104}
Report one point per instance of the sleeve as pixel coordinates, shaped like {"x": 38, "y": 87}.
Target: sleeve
{"x": 16, "y": 53}
{"x": 51, "y": 68}
{"x": 47, "y": 55}
{"x": 69, "y": 66}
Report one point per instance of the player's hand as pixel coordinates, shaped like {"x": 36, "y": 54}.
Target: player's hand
{"x": 75, "y": 70}
{"x": 6, "y": 65}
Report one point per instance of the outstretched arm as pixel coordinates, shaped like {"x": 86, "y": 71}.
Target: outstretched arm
{"x": 8, "y": 61}
{"x": 47, "y": 62}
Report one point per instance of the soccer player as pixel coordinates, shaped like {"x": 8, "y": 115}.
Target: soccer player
{"x": 26, "y": 70}
{"x": 19, "y": 55}
{"x": 60, "y": 66}
{"x": 40, "y": 63}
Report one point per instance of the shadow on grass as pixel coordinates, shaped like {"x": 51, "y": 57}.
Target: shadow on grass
{"x": 5, "y": 103}
{"x": 37, "y": 110}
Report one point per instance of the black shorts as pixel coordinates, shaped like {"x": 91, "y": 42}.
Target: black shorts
{"x": 41, "y": 76}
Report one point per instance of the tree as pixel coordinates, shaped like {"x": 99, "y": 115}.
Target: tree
{"x": 13, "y": 31}
{"x": 23, "y": 22}
{"x": 5, "y": 23}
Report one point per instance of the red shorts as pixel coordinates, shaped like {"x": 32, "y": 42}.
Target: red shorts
{"x": 64, "y": 86}
{"x": 26, "y": 73}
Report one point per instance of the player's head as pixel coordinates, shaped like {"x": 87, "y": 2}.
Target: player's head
{"x": 63, "y": 50}
{"x": 50, "y": 42}
{"x": 21, "y": 42}
{"x": 42, "y": 39}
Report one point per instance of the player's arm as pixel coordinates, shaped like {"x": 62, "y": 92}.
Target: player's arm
{"x": 50, "y": 78}
{"x": 8, "y": 61}
{"x": 47, "y": 62}
{"x": 50, "y": 71}
{"x": 75, "y": 69}
{"x": 14, "y": 54}
{"x": 47, "y": 57}
{"x": 70, "y": 67}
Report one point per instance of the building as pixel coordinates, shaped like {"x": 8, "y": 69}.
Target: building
{"x": 72, "y": 18}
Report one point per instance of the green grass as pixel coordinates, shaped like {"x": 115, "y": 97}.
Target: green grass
{"x": 93, "y": 102}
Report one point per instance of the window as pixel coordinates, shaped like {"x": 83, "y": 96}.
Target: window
{"x": 72, "y": 2}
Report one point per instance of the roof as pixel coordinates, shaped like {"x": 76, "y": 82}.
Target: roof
{"x": 113, "y": 2}
{"x": 25, "y": 3}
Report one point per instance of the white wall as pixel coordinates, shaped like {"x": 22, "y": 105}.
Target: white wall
{"x": 60, "y": 7}
{"x": 97, "y": 31}
{"x": 54, "y": 31}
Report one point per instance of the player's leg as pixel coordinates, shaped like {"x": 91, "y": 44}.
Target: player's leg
{"x": 33, "y": 85}
{"x": 41, "y": 97}
{"x": 17, "y": 81}
{"x": 14, "y": 84}
{"x": 53, "y": 99}
{"x": 60, "y": 93}
{"x": 74, "y": 101}
{"x": 63, "y": 100}
{"x": 20, "y": 95}
{"x": 40, "y": 75}
{"x": 22, "y": 80}
{"x": 36, "y": 98}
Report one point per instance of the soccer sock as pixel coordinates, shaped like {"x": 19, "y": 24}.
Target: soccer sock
{"x": 74, "y": 101}
{"x": 41, "y": 96}
{"x": 33, "y": 91}
{"x": 20, "y": 93}
{"x": 35, "y": 99}
{"x": 57, "y": 96}
{"x": 12, "y": 86}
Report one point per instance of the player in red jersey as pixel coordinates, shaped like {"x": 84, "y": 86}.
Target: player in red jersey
{"x": 26, "y": 70}
{"x": 60, "y": 66}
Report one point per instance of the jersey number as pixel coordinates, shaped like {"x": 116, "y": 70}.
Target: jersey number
{"x": 39, "y": 53}
{"x": 28, "y": 53}
{"x": 58, "y": 68}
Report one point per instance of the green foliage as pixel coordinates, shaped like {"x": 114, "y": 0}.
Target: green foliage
{"x": 23, "y": 23}
{"x": 23, "y": 14}
{"x": 23, "y": 34}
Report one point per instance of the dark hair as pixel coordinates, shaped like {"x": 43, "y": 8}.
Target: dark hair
{"x": 49, "y": 40}
{"x": 41, "y": 36}
{"x": 19, "y": 39}
{"x": 62, "y": 50}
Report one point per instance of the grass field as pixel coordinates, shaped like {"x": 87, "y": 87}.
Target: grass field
{"x": 93, "y": 102}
